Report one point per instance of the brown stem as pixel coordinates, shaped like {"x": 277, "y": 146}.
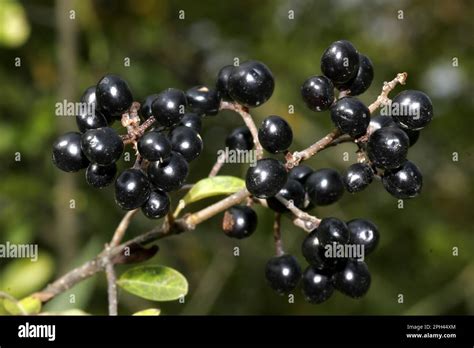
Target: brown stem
{"x": 122, "y": 228}
{"x": 217, "y": 166}
{"x": 111, "y": 287}
{"x": 309, "y": 222}
{"x": 277, "y": 235}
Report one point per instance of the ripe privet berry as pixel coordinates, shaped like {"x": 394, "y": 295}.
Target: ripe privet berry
{"x": 332, "y": 230}
{"x": 381, "y": 121}
{"x": 361, "y": 82}
{"x": 314, "y": 253}
{"x": 89, "y": 99}
{"x": 292, "y": 191}
{"x": 412, "y": 109}
{"x": 100, "y": 176}
{"x": 203, "y": 100}
{"x": 251, "y": 83}
{"x": 275, "y": 134}
{"x": 266, "y": 178}
{"x": 168, "y": 107}
{"x": 132, "y": 189}
{"x": 316, "y": 286}
{"x": 350, "y": 116}
{"x": 113, "y": 95}
{"x": 154, "y": 146}
{"x": 170, "y": 174}
{"x": 239, "y": 222}
{"x": 87, "y": 119}
{"x": 324, "y": 186}
{"x": 388, "y": 147}
{"x": 340, "y": 61}
{"x": 413, "y": 136}
{"x": 403, "y": 182}
{"x": 318, "y": 93}
{"x": 300, "y": 173}
{"x": 240, "y": 139}
{"x": 192, "y": 120}
{"x": 187, "y": 142}
{"x": 353, "y": 280}
{"x": 157, "y": 205}
{"x": 283, "y": 273}
{"x": 102, "y": 145}
{"x": 222, "y": 82}
{"x": 145, "y": 111}
{"x": 365, "y": 233}
{"x": 67, "y": 153}
{"x": 358, "y": 177}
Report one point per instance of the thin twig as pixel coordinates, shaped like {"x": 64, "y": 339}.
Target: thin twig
{"x": 277, "y": 235}
{"x": 310, "y": 222}
{"x": 111, "y": 287}
{"x": 218, "y": 165}
{"x": 382, "y": 99}
{"x": 122, "y": 228}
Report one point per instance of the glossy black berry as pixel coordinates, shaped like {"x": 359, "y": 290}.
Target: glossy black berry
{"x": 169, "y": 106}
{"x": 413, "y": 136}
{"x": 145, "y": 111}
{"x": 222, "y": 82}
{"x": 318, "y": 93}
{"x": 412, "y": 109}
{"x": 192, "y": 120}
{"x": 90, "y": 119}
{"x": 381, "y": 121}
{"x": 187, "y": 142}
{"x": 67, "y": 153}
{"x": 332, "y": 230}
{"x": 357, "y": 177}
{"x": 170, "y": 174}
{"x": 363, "y": 232}
{"x": 251, "y": 83}
{"x": 300, "y": 173}
{"x": 157, "y": 205}
{"x": 361, "y": 82}
{"x": 324, "y": 186}
{"x": 275, "y": 134}
{"x": 154, "y": 146}
{"x": 316, "y": 286}
{"x": 388, "y": 147}
{"x": 239, "y": 222}
{"x": 203, "y": 100}
{"x": 340, "y": 61}
{"x": 100, "y": 176}
{"x": 350, "y": 116}
{"x": 266, "y": 178}
{"x": 283, "y": 273}
{"x": 102, "y": 145}
{"x": 89, "y": 100}
{"x": 354, "y": 280}
{"x": 113, "y": 95}
{"x": 314, "y": 253}
{"x": 292, "y": 191}
{"x": 132, "y": 189}
{"x": 239, "y": 139}
{"x": 403, "y": 182}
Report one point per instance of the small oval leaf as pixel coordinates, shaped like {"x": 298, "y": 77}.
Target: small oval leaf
{"x": 156, "y": 283}
{"x": 26, "y": 306}
{"x": 150, "y": 311}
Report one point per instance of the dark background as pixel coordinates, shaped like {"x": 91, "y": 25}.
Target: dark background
{"x": 60, "y": 57}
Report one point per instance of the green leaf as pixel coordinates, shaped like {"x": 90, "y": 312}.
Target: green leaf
{"x": 209, "y": 187}
{"x": 150, "y": 311}
{"x": 156, "y": 283}
{"x": 26, "y": 306}
{"x": 14, "y": 26}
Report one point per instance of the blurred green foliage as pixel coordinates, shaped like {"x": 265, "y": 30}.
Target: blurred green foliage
{"x": 415, "y": 257}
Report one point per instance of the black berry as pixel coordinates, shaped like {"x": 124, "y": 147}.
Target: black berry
{"x": 340, "y": 61}
{"x": 192, "y": 120}
{"x": 102, "y": 145}
{"x": 222, "y": 82}
{"x": 317, "y": 287}
{"x": 187, "y": 142}
{"x": 100, "y": 176}
{"x": 350, "y": 116}
{"x": 413, "y": 136}
{"x": 132, "y": 189}
{"x": 154, "y": 146}
{"x": 292, "y": 191}
{"x": 332, "y": 230}
{"x": 169, "y": 106}
{"x": 412, "y": 109}
{"x": 239, "y": 222}
{"x": 67, "y": 153}
{"x": 365, "y": 233}
{"x": 266, "y": 178}
{"x": 324, "y": 186}
{"x": 283, "y": 273}
{"x": 251, "y": 83}
{"x": 388, "y": 147}
{"x": 357, "y": 177}
{"x": 90, "y": 119}
{"x": 300, "y": 173}
{"x": 203, "y": 101}
{"x": 314, "y": 253}
{"x": 318, "y": 93}
{"x": 361, "y": 82}
{"x": 170, "y": 174}
{"x": 275, "y": 134}
{"x": 113, "y": 95}
{"x": 157, "y": 205}
{"x": 240, "y": 139}
{"x": 354, "y": 280}
{"x": 403, "y": 182}
{"x": 145, "y": 108}
{"x": 381, "y": 121}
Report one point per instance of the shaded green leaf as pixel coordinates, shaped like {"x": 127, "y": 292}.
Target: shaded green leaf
{"x": 28, "y": 305}
{"x": 150, "y": 311}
